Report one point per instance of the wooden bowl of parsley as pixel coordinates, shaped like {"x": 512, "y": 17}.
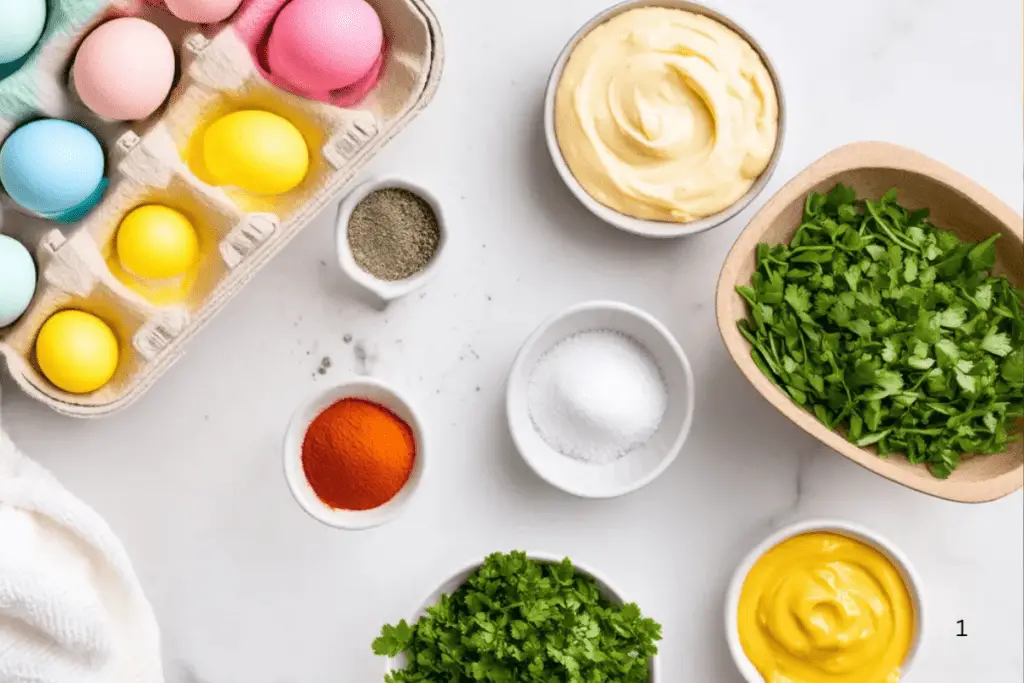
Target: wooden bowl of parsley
{"x": 876, "y": 301}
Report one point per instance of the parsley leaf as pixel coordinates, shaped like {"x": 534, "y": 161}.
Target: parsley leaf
{"x": 997, "y": 343}
{"x": 798, "y": 298}
{"x": 1013, "y": 368}
{"x": 911, "y": 344}
{"x": 393, "y": 639}
{"x": 954, "y": 316}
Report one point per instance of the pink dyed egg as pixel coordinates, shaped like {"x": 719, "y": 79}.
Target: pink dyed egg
{"x": 124, "y": 69}
{"x": 321, "y": 45}
{"x": 202, "y": 11}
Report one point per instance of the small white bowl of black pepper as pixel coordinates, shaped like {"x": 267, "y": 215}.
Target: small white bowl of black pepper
{"x": 390, "y": 236}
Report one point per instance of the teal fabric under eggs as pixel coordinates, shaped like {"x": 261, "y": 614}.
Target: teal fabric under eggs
{"x": 19, "y": 97}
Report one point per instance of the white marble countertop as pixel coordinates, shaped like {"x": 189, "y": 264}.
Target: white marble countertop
{"x": 249, "y": 589}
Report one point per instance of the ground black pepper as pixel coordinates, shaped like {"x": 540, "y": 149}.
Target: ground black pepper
{"x": 393, "y": 234}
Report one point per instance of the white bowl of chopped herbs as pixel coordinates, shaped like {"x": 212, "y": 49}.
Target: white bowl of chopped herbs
{"x": 522, "y": 617}
{"x": 876, "y": 302}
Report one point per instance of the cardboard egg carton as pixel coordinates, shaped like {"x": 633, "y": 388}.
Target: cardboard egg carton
{"x": 149, "y": 162}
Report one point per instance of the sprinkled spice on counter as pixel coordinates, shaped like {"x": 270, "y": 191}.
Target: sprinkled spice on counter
{"x": 357, "y": 455}
{"x": 393, "y": 234}
{"x": 596, "y": 396}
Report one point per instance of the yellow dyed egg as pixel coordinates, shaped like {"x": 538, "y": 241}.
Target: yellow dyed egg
{"x": 77, "y": 351}
{"x": 156, "y": 242}
{"x": 256, "y": 151}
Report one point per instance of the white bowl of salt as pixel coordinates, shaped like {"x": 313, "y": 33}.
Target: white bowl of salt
{"x": 600, "y": 399}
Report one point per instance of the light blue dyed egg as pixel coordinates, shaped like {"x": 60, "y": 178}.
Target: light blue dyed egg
{"x": 51, "y": 166}
{"x": 21, "y": 25}
{"x": 17, "y": 279}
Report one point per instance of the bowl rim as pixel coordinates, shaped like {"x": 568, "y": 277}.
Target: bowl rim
{"x": 859, "y": 155}
{"x": 911, "y": 578}
{"x": 613, "y": 593}
{"x": 302, "y": 492}
{"x": 386, "y": 290}
{"x": 646, "y": 227}
{"x": 518, "y": 369}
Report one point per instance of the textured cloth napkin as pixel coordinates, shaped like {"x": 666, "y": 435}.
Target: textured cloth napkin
{"x": 71, "y": 608}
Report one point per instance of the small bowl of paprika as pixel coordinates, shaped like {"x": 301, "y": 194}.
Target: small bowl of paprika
{"x": 353, "y": 454}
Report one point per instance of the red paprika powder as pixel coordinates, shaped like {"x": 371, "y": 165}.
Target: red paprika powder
{"x": 357, "y": 455}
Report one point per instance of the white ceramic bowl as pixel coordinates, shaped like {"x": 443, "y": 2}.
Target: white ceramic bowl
{"x": 459, "y": 576}
{"x": 384, "y": 290}
{"x": 855, "y": 531}
{"x": 643, "y": 226}
{"x": 639, "y": 467}
{"x": 371, "y": 390}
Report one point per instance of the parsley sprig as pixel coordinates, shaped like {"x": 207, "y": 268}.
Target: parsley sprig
{"x": 517, "y": 620}
{"x": 890, "y": 330}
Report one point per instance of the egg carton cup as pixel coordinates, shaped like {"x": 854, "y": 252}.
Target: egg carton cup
{"x": 154, "y": 161}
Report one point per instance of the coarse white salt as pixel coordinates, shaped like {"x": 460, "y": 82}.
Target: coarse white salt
{"x": 596, "y": 396}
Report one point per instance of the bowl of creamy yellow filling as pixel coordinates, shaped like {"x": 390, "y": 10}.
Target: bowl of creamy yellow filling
{"x": 824, "y": 602}
{"x": 664, "y": 117}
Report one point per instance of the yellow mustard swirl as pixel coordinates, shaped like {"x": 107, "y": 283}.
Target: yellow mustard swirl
{"x": 665, "y": 114}
{"x": 825, "y": 608}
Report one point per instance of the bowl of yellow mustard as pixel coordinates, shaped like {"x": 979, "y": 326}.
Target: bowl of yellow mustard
{"x": 664, "y": 117}
{"x": 824, "y": 601}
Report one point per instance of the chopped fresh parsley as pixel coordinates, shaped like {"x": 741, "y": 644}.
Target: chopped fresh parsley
{"x": 890, "y": 330}
{"x": 517, "y": 620}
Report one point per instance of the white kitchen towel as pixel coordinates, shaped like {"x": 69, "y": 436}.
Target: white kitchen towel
{"x": 71, "y": 607}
